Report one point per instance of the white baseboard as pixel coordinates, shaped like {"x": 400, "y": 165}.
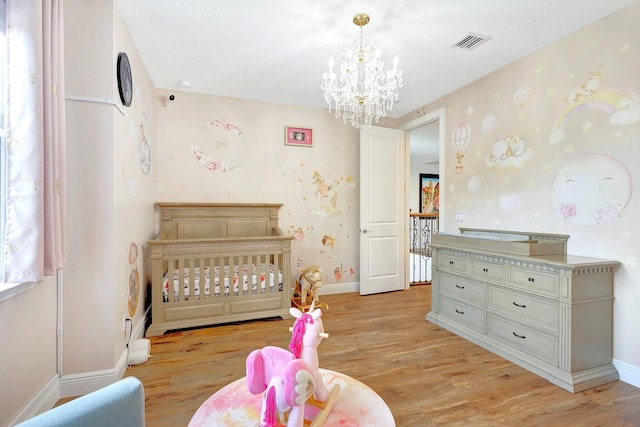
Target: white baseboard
{"x": 86, "y": 382}
{"x": 340, "y": 288}
{"x": 628, "y": 373}
{"x": 43, "y": 401}
{"x": 79, "y": 384}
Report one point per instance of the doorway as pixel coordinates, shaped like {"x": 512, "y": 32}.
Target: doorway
{"x": 425, "y": 156}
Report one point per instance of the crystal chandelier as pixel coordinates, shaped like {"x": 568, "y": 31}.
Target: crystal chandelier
{"x": 364, "y": 92}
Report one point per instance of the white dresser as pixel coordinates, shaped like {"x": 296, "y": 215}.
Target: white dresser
{"x": 519, "y": 295}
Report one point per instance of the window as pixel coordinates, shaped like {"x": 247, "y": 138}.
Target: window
{"x": 3, "y": 108}
{"x": 7, "y": 290}
{"x": 32, "y": 202}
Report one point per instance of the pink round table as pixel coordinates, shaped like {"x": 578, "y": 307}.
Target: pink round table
{"x": 356, "y": 406}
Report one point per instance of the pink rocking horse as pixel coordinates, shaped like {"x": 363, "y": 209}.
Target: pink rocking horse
{"x": 289, "y": 378}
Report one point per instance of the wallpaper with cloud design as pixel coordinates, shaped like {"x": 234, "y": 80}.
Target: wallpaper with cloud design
{"x": 551, "y": 143}
{"x": 555, "y": 134}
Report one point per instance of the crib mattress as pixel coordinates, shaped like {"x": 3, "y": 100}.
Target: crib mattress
{"x": 252, "y": 279}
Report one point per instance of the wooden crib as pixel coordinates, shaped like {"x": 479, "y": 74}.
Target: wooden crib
{"x": 218, "y": 262}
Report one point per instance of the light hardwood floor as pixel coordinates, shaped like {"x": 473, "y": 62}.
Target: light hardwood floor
{"x": 427, "y": 375}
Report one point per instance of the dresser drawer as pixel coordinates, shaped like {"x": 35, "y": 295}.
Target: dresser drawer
{"x": 536, "y": 343}
{"x": 523, "y": 307}
{"x": 534, "y": 281}
{"x": 487, "y": 270}
{"x": 462, "y": 313}
{"x": 455, "y": 263}
{"x": 462, "y": 289}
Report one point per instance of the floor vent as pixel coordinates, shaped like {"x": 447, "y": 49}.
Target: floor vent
{"x": 471, "y": 41}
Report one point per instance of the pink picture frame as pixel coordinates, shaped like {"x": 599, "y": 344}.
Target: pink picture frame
{"x": 301, "y": 137}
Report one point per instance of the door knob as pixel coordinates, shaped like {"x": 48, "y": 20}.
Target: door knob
{"x": 364, "y": 230}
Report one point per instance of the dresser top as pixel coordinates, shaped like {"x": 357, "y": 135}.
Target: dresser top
{"x": 508, "y": 242}
{"x": 522, "y": 246}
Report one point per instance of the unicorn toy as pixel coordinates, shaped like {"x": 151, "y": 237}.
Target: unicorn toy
{"x": 289, "y": 378}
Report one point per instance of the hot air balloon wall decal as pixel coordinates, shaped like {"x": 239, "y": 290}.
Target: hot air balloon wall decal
{"x": 460, "y": 138}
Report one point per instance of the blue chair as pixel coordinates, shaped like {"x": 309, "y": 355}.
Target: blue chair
{"x": 119, "y": 404}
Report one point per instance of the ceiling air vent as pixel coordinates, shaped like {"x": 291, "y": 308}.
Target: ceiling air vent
{"x": 470, "y": 41}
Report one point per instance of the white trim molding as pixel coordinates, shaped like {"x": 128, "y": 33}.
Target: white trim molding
{"x": 42, "y": 402}
{"x": 628, "y": 373}
{"x": 339, "y": 288}
{"x": 107, "y": 101}
{"x": 87, "y": 382}
{"x": 10, "y": 290}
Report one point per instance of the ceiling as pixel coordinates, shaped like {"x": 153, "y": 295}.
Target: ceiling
{"x": 277, "y": 50}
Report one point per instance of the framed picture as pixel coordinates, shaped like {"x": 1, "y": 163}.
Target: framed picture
{"x": 429, "y": 193}
{"x": 302, "y": 137}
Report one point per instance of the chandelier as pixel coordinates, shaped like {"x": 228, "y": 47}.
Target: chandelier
{"x": 364, "y": 92}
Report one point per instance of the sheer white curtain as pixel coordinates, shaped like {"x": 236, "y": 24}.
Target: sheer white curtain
{"x": 35, "y": 156}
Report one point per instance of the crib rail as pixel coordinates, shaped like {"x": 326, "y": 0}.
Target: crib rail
{"x": 198, "y": 282}
{"x": 224, "y": 276}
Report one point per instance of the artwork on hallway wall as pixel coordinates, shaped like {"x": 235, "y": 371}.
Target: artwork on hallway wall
{"x": 429, "y": 193}
{"x": 301, "y": 137}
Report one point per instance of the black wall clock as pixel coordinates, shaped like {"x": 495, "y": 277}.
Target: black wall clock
{"x": 124, "y": 79}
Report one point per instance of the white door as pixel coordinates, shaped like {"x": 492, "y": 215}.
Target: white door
{"x": 383, "y": 213}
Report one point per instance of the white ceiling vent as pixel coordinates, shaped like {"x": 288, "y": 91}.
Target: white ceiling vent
{"x": 470, "y": 41}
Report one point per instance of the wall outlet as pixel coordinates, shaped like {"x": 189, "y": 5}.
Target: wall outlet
{"x": 461, "y": 216}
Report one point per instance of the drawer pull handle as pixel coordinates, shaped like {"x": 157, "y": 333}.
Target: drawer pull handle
{"x": 531, "y": 279}
{"x": 519, "y": 336}
{"x": 486, "y": 270}
{"x": 518, "y": 305}
{"x": 459, "y": 287}
{"x": 459, "y": 312}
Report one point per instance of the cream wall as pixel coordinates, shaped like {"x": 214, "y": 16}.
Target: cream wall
{"x": 28, "y": 355}
{"x": 90, "y": 157}
{"x": 241, "y": 157}
{"x": 110, "y": 216}
{"x": 111, "y": 193}
{"x": 555, "y": 148}
{"x": 134, "y": 138}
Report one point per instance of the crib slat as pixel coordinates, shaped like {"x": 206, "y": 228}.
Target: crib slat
{"x": 171, "y": 266}
{"x": 234, "y": 273}
{"x": 180, "y": 290}
{"x": 205, "y": 264}
{"x": 191, "y": 292}
{"x": 276, "y": 278}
